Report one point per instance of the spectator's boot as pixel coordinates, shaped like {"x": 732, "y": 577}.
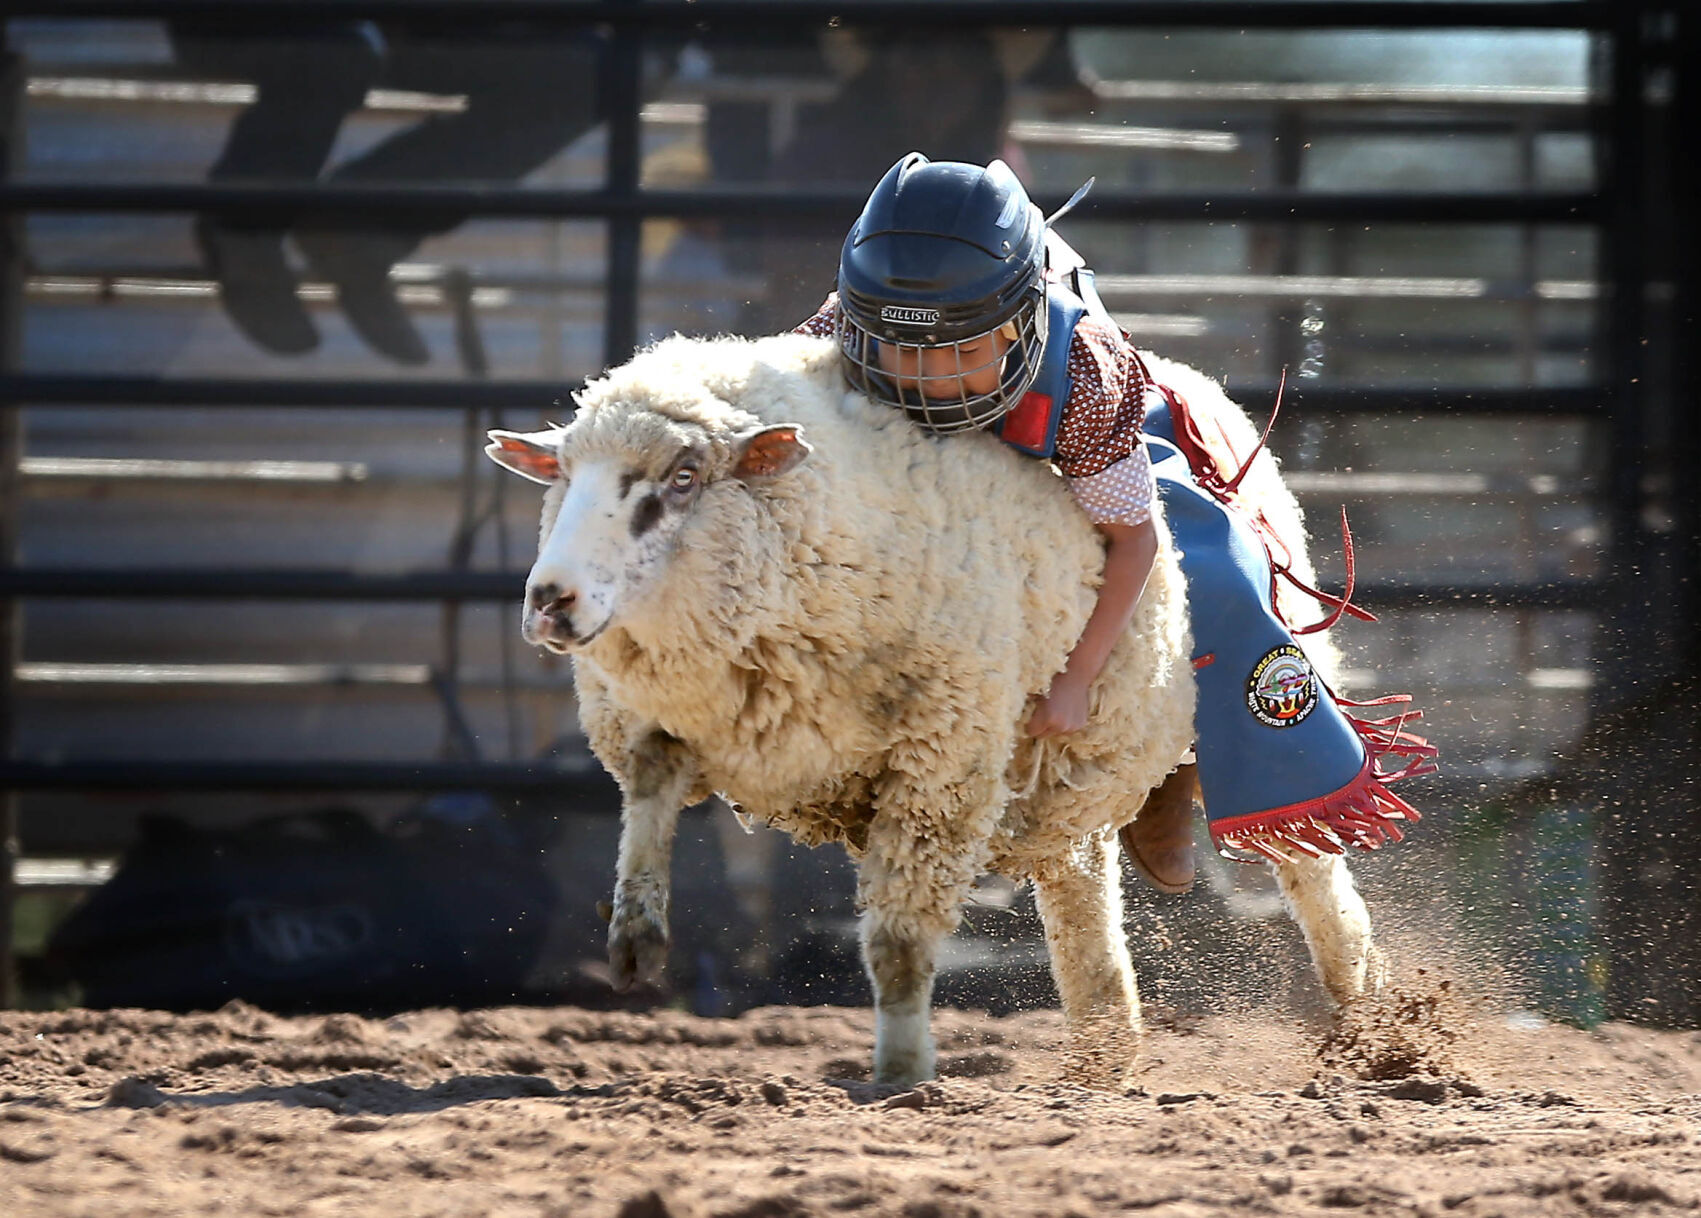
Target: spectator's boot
{"x": 256, "y": 286}
{"x": 359, "y": 265}
{"x": 1159, "y": 841}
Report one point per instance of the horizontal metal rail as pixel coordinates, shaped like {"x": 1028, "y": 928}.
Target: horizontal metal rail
{"x": 72, "y": 680}
{"x": 569, "y": 299}
{"x": 148, "y": 679}
{"x": 422, "y": 283}
{"x": 59, "y": 674}
{"x": 808, "y": 14}
{"x": 507, "y": 586}
{"x": 1498, "y": 484}
{"x": 55, "y": 875}
{"x": 169, "y": 83}
{"x": 1117, "y": 287}
{"x": 154, "y": 471}
{"x": 1332, "y": 108}
{"x": 555, "y": 397}
{"x": 54, "y": 389}
{"x": 83, "y": 472}
{"x": 418, "y": 283}
{"x": 262, "y": 584}
{"x": 586, "y": 781}
{"x": 327, "y": 204}
{"x": 1521, "y": 98}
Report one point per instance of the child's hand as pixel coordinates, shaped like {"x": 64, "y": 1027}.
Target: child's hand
{"x": 1063, "y": 709}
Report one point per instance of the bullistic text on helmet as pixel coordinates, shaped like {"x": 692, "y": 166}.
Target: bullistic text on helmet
{"x": 909, "y": 315}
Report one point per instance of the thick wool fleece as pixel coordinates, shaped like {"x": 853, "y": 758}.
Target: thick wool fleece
{"x": 850, "y": 651}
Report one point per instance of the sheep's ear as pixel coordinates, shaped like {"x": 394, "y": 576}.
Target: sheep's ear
{"x": 770, "y": 452}
{"x": 534, "y": 454}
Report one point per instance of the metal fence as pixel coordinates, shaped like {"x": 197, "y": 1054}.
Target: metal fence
{"x": 1644, "y": 186}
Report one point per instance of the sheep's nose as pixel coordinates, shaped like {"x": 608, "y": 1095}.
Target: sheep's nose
{"x": 551, "y": 598}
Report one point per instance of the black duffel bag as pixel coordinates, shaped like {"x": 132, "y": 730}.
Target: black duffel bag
{"x": 312, "y": 911}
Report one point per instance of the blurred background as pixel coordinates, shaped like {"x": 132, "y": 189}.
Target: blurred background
{"x": 269, "y": 270}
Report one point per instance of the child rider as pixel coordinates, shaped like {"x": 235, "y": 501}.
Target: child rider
{"x": 948, "y": 308}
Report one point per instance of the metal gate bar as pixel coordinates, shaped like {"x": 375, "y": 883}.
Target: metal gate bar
{"x": 623, "y": 206}
{"x": 812, "y": 14}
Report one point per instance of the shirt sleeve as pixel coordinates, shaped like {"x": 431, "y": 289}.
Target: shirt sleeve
{"x": 1120, "y": 494}
{"x": 825, "y": 320}
{"x": 1101, "y": 420}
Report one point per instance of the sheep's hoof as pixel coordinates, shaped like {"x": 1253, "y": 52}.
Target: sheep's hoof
{"x": 637, "y": 952}
{"x": 1375, "y": 972}
{"x": 903, "y": 1074}
{"x": 903, "y": 1065}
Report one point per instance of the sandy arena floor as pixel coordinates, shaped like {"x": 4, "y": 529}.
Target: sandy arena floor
{"x": 1418, "y": 1108}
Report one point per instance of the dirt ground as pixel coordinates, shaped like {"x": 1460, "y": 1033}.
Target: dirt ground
{"x": 1420, "y": 1105}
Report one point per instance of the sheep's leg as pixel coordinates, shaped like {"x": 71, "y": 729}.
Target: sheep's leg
{"x": 656, "y": 785}
{"x": 1320, "y": 894}
{"x": 911, "y": 886}
{"x": 1080, "y": 903}
{"x": 900, "y": 957}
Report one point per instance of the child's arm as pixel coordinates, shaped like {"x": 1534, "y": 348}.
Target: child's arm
{"x": 1130, "y": 551}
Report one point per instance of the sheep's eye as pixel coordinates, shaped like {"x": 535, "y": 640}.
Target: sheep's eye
{"x": 684, "y": 478}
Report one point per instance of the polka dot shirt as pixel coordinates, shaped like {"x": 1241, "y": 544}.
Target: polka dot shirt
{"x": 1099, "y": 451}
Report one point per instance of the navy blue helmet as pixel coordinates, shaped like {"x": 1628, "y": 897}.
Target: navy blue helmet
{"x": 942, "y": 293}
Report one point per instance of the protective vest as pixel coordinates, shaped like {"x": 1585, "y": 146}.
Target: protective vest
{"x": 1031, "y": 425}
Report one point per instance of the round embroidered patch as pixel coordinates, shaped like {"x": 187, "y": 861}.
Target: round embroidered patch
{"x": 1281, "y": 690}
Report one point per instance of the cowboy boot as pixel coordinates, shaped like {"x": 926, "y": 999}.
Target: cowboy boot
{"x": 256, "y": 286}
{"x": 1159, "y": 840}
{"x": 359, "y": 264}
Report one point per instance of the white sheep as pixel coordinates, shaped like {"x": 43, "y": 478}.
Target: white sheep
{"x": 773, "y": 590}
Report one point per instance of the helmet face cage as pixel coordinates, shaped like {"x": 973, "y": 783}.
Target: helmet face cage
{"x": 942, "y": 403}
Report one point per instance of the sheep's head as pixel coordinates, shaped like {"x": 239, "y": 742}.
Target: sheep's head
{"x": 622, "y": 500}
